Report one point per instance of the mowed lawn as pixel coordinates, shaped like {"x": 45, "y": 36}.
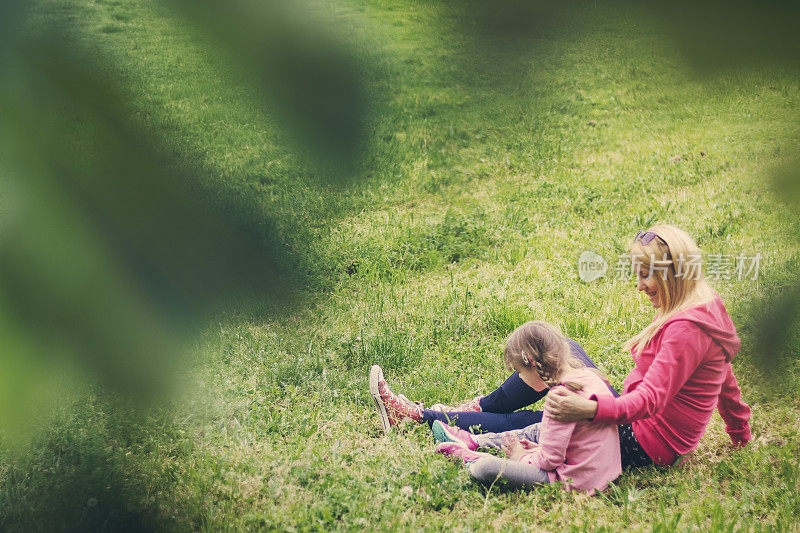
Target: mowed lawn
{"x": 487, "y": 177}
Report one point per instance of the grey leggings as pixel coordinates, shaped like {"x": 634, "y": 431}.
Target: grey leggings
{"x": 489, "y": 468}
{"x": 495, "y": 440}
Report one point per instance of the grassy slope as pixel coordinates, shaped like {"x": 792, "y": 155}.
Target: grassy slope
{"x": 513, "y": 182}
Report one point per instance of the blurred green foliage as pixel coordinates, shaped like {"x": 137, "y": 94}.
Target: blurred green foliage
{"x": 115, "y": 246}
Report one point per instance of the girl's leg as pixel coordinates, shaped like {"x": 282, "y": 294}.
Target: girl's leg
{"x": 457, "y": 451}
{"x": 495, "y": 440}
{"x": 489, "y": 469}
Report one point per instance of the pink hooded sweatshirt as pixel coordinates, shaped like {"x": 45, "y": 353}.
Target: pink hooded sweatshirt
{"x": 680, "y": 376}
{"x": 583, "y": 455}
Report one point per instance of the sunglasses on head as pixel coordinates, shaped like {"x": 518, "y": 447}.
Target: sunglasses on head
{"x": 647, "y": 237}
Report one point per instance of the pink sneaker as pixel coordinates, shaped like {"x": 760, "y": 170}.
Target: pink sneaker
{"x": 445, "y": 433}
{"x": 472, "y": 406}
{"x": 392, "y": 408}
{"x": 458, "y": 451}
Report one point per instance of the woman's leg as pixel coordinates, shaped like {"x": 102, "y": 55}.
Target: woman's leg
{"x": 481, "y": 422}
{"x": 499, "y": 410}
{"x": 631, "y": 452}
{"x": 489, "y": 469}
{"x": 579, "y": 353}
{"x": 512, "y": 395}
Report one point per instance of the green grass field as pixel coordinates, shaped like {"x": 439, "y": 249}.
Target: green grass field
{"x": 481, "y": 193}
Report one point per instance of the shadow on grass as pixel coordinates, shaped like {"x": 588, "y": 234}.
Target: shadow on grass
{"x": 769, "y": 327}
{"x": 77, "y": 476}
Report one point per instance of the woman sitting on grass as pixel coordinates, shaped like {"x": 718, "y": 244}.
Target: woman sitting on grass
{"x": 583, "y": 455}
{"x": 682, "y": 370}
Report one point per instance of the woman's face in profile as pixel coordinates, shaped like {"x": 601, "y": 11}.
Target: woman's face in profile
{"x": 647, "y": 285}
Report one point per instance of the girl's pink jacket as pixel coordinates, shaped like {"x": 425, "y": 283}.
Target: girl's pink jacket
{"x": 583, "y": 455}
{"x": 680, "y": 376}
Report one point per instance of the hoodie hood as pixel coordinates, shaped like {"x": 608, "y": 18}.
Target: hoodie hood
{"x": 713, "y": 318}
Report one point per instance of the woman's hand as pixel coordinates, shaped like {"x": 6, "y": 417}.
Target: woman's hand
{"x": 563, "y": 404}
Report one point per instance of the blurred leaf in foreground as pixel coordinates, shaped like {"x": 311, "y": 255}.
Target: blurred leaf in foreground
{"x": 716, "y": 35}
{"x": 111, "y": 250}
{"x": 308, "y": 70}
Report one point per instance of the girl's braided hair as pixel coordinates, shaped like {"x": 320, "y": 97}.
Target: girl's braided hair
{"x": 542, "y": 346}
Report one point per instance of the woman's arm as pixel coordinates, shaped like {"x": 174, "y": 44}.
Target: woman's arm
{"x": 733, "y": 410}
{"x": 565, "y": 405}
{"x": 683, "y": 347}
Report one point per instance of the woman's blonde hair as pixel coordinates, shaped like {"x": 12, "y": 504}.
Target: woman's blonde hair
{"x": 676, "y": 268}
{"x": 542, "y": 346}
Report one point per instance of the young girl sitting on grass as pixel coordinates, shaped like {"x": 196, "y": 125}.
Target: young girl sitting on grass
{"x": 582, "y": 455}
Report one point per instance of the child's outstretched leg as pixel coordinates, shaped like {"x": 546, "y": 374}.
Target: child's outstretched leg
{"x": 495, "y": 440}
{"x": 457, "y": 451}
{"x": 490, "y": 468}
{"x": 499, "y": 411}
{"x": 444, "y": 433}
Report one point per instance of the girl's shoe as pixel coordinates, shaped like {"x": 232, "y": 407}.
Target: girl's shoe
{"x": 458, "y": 451}
{"x": 392, "y": 408}
{"x": 472, "y": 406}
{"x": 445, "y": 433}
